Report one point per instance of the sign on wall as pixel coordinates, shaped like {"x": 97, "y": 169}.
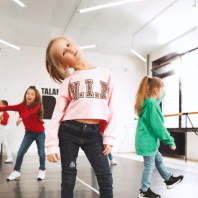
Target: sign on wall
{"x": 49, "y": 101}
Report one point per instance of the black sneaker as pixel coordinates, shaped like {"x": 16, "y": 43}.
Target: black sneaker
{"x": 173, "y": 181}
{"x": 148, "y": 194}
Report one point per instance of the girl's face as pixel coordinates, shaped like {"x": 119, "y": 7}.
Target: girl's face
{"x": 1, "y": 104}
{"x": 30, "y": 96}
{"x": 159, "y": 93}
{"x": 66, "y": 52}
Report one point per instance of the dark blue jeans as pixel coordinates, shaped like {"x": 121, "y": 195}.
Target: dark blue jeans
{"x": 29, "y": 137}
{"x": 72, "y": 136}
{"x": 110, "y": 154}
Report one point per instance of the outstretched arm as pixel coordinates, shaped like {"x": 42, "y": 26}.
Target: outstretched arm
{"x": 10, "y": 108}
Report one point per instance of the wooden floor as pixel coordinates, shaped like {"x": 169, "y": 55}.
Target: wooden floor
{"x": 126, "y": 175}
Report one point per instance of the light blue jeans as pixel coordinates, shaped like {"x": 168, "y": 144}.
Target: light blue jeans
{"x": 149, "y": 165}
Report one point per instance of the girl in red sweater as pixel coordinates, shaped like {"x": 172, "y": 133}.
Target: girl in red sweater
{"x": 31, "y": 114}
{"x": 4, "y": 117}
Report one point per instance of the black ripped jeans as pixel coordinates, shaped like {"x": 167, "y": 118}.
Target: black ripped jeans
{"x": 72, "y": 135}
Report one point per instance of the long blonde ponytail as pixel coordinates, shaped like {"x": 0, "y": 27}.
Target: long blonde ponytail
{"x": 145, "y": 89}
{"x": 141, "y": 95}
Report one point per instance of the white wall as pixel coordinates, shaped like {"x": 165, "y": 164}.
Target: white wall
{"x": 20, "y": 69}
{"x": 189, "y": 41}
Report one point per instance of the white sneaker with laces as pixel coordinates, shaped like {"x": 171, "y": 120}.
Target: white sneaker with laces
{"x": 14, "y": 175}
{"x": 41, "y": 175}
{"x": 9, "y": 160}
{"x": 113, "y": 162}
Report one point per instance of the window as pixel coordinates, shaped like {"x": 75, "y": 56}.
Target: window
{"x": 189, "y": 79}
{"x": 170, "y": 103}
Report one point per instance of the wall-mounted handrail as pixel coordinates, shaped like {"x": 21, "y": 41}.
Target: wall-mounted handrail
{"x": 177, "y": 114}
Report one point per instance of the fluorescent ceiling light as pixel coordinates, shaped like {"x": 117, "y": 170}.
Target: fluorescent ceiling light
{"x": 88, "y": 46}
{"x": 20, "y": 3}
{"x": 138, "y": 55}
{"x": 6, "y": 43}
{"x": 107, "y": 5}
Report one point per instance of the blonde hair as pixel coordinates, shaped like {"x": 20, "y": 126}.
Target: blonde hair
{"x": 145, "y": 90}
{"x": 53, "y": 65}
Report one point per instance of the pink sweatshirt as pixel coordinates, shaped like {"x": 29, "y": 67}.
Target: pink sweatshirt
{"x": 86, "y": 94}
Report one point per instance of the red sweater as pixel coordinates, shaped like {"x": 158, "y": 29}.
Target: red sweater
{"x": 29, "y": 116}
{"x": 102, "y": 126}
{"x": 5, "y": 118}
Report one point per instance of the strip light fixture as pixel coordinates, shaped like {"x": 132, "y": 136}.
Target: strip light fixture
{"x": 138, "y": 55}
{"x": 107, "y": 5}
{"x": 20, "y": 3}
{"x": 88, "y": 46}
{"x": 9, "y": 44}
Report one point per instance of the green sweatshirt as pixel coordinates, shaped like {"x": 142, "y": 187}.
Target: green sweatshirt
{"x": 151, "y": 129}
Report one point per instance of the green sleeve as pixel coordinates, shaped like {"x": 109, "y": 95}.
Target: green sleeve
{"x": 155, "y": 120}
{"x": 159, "y": 101}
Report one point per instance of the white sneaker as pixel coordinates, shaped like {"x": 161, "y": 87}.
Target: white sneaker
{"x": 113, "y": 162}
{"x": 14, "y": 175}
{"x": 9, "y": 160}
{"x": 41, "y": 175}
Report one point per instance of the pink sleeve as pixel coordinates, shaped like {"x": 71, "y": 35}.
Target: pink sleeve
{"x": 109, "y": 133}
{"x": 64, "y": 98}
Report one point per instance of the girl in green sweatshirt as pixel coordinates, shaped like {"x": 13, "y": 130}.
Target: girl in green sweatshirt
{"x": 150, "y": 131}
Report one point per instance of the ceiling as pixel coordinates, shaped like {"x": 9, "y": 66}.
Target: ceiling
{"x": 111, "y": 29}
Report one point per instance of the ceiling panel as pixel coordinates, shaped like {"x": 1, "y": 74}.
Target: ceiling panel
{"x": 111, "y": 28}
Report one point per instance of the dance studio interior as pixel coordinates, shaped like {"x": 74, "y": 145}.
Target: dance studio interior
{"x": 126, "y": 44}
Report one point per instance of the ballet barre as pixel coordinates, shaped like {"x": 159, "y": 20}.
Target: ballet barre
{"x": 177, "y": 114}
{"x": 184, "y": 129}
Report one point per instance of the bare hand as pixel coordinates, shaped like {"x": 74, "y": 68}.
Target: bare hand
{"x": 53, "y": 157}
{"x": 1, "y": 117}
{"x": 108, "y": 149}
{"x": 19, "y": 121}
{"x": 173, "y": 147}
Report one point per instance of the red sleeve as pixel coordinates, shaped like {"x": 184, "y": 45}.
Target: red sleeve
{"x": 30, "y": 112}
{"x": 11, "y": 108}
{"x": 5, "y": 118}
{"x": 102, "y": 126}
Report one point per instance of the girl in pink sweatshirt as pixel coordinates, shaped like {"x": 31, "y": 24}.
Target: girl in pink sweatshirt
{"x": 85, "y": 98}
